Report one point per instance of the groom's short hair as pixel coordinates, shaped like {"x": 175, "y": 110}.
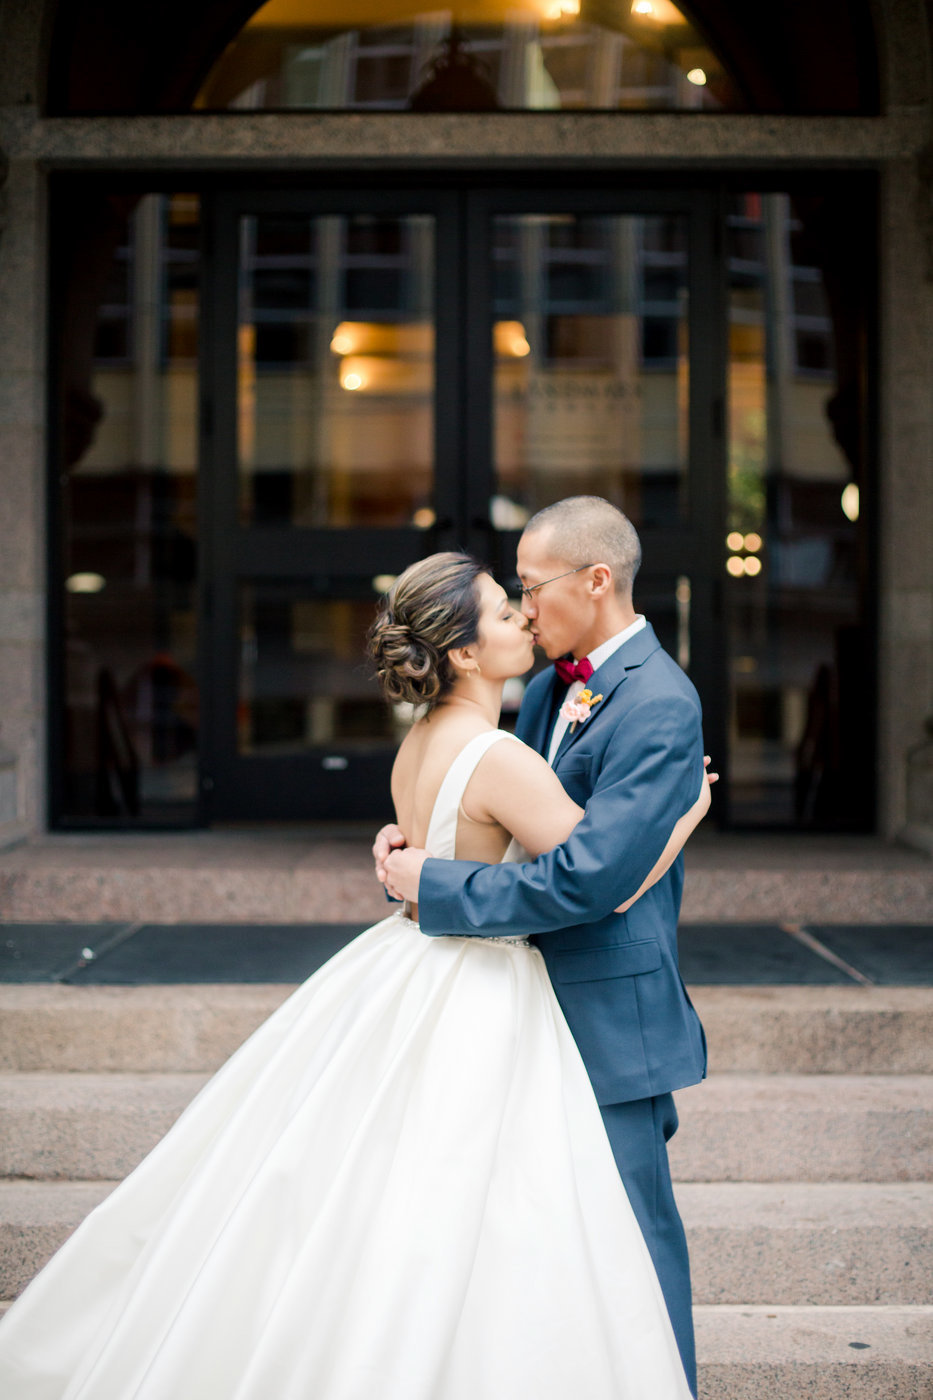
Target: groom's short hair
{"x": 590, "y": 530}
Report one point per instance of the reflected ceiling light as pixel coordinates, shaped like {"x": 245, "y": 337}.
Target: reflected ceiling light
{"x": 509, "y": 338}
{"x": 753, "y": 542}
{"x": 342, "y": 342}
{"x": 697, "y": 76}
{"x": 423, "y": 518}
{"x": 85, "y": 583}
{"x": 735, "y": 540}
{"x": 751, "y": 565}
{"x": 735, "y": 566}
{"x": 850, "y": 502}
{"x": 642, "y": 7}
{"x": 352, "y": 379}
{"x": 383, "y": 582}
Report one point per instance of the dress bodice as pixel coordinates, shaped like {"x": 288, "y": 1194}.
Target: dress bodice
{"x": 441, "y": 839}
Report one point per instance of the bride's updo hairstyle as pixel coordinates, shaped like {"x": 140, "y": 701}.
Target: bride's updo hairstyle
{"x": 431, "y": 608}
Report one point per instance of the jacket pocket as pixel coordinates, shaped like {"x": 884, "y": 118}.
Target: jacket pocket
{"x": 597, "y": 964}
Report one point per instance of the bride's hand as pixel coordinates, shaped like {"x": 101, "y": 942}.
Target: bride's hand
{"x": 389, "y": 838}
{"x": 403, "y": 872}
{"x": 710, "y": 778}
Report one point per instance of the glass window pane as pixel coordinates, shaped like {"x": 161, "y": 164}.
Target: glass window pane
{"x": 591, "y": 375}
{"x": 304, "y": 680}
{"x": 336, "y": 370}
{"x": 128, "y": 509}
{"x": 509, "y": 55}
{"x": 794, "y": 552}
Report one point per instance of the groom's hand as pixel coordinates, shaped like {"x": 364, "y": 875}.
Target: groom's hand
{"x": 403, "y": 872}
{"x": 388, "y": 839}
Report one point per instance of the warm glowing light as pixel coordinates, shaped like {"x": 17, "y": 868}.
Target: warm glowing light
{"x": 735, "y": 540}
{"x": 642, "y": 7}
{"x": 352, "y": 380}
{"x": 745, "y": 665}
{"x": 697, "y": 77}
{"x": 509, "y": 338}
{"x": 85, "y": 583}
{"x": 753, "y": 542}
{"x": 570, "y": 7}
{"x": 423, "y": 518}
{"x": 752, "y": 565}
{"x": 735, "y": 566}
{"x": 383, "y": 582}
{"x": 342, "y": 343}
{"x": 850, "y": 502}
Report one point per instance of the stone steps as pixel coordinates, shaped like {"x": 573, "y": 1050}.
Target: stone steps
{"x": 826, "y": 1353}
{"x": 785, "y": 1127}
{"x": 866, "y": 1128}
{"x": 803, "y": 1164}
{"x": 276, "y": 875}
{"x": 179, "y": 1029}
{"x": 820, "y": 1243}
{"x": 832, "y": 1243}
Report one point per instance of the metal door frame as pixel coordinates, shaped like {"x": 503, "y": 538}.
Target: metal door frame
{"x": 256, "y": 787}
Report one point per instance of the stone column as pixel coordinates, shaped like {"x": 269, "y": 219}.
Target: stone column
{"x": 23, "y": 274}
{"x": 905, "y": 494}
{"x": 22, "y": 501}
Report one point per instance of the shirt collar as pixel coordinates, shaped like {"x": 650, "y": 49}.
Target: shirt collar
{"x": 605, "y": 649}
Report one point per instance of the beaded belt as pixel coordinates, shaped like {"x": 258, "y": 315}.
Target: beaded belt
{"x": 512, "y": 941}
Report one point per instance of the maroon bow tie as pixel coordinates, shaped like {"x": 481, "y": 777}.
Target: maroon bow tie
{"x": 570, "y": 671}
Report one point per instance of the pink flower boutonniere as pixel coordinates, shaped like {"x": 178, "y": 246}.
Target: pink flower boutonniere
{"x": 580, "y": 709}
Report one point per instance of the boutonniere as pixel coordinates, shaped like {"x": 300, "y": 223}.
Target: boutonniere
{"x": 580, "y": 709}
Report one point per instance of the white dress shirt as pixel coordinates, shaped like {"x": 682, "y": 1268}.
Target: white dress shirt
{"x": 596, "y": 658}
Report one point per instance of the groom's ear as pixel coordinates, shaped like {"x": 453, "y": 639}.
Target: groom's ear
{"x": 601, "y": 581}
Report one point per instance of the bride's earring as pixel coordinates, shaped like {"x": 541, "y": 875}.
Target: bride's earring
{"x": 477, "y": 670}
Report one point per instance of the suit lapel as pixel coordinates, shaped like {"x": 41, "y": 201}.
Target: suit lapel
{"x": 609, "y": 677}
{"x": 537, "y": 731}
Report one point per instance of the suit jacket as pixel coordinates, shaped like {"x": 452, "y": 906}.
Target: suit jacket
{"x": 636, "y": 765}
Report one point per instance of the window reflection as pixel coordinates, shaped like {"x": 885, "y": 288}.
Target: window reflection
{"x": 478, "y": 55}
{"x": 591, "y": 378}
{"x": 793, "y": 552}
{"x": 304, "y": 678}
{"x": 128, "y": 506}
{"x": 336, "y": 370}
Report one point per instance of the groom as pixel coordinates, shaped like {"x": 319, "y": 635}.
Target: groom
{"x": 636, "y": 764}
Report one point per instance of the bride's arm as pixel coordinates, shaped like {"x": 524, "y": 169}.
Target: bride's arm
{"x": 677, "y": 840}
{"x": 514, "y": 786}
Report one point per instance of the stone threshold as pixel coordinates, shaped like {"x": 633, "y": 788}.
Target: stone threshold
{"x": 321, "y": 873}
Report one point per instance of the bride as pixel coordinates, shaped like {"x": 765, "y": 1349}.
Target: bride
{"x": 400, "y": 1187}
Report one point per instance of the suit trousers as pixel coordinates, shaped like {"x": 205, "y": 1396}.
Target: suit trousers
{"x": 639, "y": 1133}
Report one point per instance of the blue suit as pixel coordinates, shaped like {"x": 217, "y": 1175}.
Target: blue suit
{"x": 636, "y": 765}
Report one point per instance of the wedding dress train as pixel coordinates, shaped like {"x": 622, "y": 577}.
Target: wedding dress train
{"x": 399, "y": 1188}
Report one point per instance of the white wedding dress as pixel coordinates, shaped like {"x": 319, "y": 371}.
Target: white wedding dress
{"x": 399, "y": 1188}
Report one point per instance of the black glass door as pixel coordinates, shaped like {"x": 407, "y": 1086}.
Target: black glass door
{"x": 408, "y": 370}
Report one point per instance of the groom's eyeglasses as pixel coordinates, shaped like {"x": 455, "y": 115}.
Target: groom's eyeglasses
{"x": 519, "y": 587}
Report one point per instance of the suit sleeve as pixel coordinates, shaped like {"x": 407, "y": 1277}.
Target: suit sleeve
{"x": 650, "y": 775}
